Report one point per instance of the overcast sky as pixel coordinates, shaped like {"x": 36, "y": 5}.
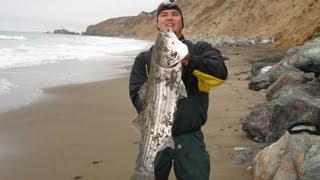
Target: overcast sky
{"x": 74, "y": 15}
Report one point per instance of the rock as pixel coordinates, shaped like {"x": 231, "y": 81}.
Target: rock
{"x": 259, "y": 82}
{"x": 291, "y": 157}
{"x": 256, "y": 67}
{"x": 244, "y": 155}
{"x": 311, "y": 165}
{"x": 312, "y": 88}
{"x": 309, "y": 57}
{"x": 256, "y": 124}
{"x": 293, "y": 79}
{"x": 269, "y": 120}
{"x": 276, "y": 72}
{"x": 228, "y": 40}
{"x": 265, "y": 69}
{"x": 64, "y": 31}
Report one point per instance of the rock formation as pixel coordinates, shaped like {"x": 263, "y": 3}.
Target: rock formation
{"x": 64, "y": 31}
{"x": 292, "y": 91}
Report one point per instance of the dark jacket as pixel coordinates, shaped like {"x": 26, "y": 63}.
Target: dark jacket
{"x": 205, "y": 69}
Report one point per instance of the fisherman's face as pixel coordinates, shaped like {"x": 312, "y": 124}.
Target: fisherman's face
{"x": 170, "y": 18}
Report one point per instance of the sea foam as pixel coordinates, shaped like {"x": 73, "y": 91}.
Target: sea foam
{"x": 4, "y": 37}
{"x": 6, "y": 86}
{"x": 41, "y": 48}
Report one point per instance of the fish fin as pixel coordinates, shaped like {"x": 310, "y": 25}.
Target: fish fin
{"x": 168, "y": 143}
{"x": 183, "y": 92}
{"x": 138, "y": 125}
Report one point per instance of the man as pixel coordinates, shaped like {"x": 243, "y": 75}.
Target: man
{"x": 203, "y": 68}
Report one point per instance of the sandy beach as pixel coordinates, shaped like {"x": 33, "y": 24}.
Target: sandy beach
{"x": 82, "y": 131}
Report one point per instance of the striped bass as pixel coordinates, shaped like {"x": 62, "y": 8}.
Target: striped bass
{"x": 159, "y": 96}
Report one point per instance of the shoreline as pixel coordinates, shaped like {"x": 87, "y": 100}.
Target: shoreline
{"x": 84, "y": 131}
{"x": 26, "y": 84}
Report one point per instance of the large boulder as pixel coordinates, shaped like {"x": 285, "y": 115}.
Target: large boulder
{"x": 309, "y": 57}
{"x": 291, "y": 157}
{"x": 268, "y": 121}
{"x": 293, "y": 79}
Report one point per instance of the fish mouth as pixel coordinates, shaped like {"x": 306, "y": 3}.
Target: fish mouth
{"x": 169, "y": 29}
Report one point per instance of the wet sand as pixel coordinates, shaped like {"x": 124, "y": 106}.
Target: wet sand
{"x": 83, "y": 131}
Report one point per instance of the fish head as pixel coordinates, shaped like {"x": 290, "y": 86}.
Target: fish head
{"x": 169, "y": 49}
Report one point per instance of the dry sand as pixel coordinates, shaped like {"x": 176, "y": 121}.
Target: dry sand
{"x": 82, "y": 132}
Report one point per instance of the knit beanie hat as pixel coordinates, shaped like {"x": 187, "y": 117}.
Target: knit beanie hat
{"x": 167, "y": 6}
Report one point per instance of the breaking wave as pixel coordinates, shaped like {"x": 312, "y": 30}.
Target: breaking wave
{"x": 4, "y": 37}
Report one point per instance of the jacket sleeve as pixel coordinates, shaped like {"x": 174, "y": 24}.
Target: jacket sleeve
{"x": 207, "y": 64}
{"x": 138, "y": 76}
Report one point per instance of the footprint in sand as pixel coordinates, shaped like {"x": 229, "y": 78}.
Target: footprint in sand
{"x": 77, "y": 177}
{"x": 96, "y": 162}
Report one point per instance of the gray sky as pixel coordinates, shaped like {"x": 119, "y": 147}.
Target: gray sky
{"x": 74, "y": 15}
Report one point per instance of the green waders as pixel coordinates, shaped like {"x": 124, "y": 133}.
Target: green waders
{"x": 190, "y": 159}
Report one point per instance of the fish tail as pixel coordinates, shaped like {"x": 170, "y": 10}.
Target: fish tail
{"x": 137, "y": 175}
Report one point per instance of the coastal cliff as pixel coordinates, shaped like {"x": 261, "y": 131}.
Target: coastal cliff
{"x": 290, "y": 22}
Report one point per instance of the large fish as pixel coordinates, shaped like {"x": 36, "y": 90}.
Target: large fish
{"x": 159, "y": 96}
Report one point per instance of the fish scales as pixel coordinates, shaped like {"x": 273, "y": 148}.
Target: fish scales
{"x": 159, "y": 96}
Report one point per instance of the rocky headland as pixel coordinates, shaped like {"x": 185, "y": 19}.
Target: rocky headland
{"x": 284, "y": 23}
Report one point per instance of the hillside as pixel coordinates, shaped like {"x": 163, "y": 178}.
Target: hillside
{"x": 291, "y": 22}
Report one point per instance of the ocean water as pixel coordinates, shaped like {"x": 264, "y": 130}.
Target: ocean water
{"x": 31, "y": 61}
